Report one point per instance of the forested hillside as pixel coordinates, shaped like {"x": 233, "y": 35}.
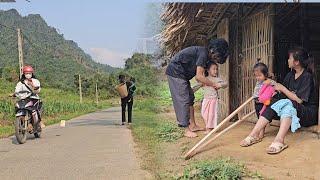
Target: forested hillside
{"x": 55, "y": 59}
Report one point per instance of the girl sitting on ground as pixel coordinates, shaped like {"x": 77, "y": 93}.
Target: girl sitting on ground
{"x": 209, "y": 108}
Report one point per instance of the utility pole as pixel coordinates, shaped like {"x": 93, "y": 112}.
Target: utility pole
{"x": 21, "y": 64}
{"x": 80, "y": 89}
{"x": 97, "y": 95}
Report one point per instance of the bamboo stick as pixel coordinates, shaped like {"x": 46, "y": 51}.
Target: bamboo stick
{"x": 318, "y": 131}
{"x": 20, "y": 51}
{"x": 218, "y": 127}
{"x": 220, "y": 134}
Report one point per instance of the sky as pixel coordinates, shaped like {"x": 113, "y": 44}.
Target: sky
{"x": 107, "y": 30}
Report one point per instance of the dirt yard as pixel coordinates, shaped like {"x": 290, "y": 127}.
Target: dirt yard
{"x": 299, "y": 161}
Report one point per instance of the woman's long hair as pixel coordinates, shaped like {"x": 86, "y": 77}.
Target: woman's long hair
{"x": 305, "y": 59}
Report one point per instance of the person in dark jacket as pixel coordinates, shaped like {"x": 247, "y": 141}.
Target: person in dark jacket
{"x": 127, "y": 101}
{"x": 186, "y": 64}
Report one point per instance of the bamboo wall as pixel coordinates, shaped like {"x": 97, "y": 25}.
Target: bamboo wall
{"x": 256, "y": 43}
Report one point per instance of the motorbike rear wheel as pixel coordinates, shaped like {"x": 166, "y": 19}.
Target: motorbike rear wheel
{"x": 21, "y": 132}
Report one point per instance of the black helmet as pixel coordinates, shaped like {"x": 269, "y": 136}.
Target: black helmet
{"x": 221, "y": 47}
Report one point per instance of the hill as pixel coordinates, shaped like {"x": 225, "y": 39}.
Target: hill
{"x": 55, "y": 59}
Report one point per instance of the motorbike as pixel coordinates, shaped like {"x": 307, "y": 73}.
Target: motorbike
{"x": 27, "y": 119}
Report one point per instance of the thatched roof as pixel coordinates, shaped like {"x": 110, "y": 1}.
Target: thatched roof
{"x": 189, "y": 24}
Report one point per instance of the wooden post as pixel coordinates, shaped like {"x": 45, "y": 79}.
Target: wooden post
{"x": 223, "y": 32}
{"x": 21, "y": 64}
{"x": 80, "y": 89}
{"x": 271, "y": 38}
{"x": 318, "y": 130}
{"x": 97, "y": 96}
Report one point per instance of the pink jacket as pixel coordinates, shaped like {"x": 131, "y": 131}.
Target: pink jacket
{"x": 265, "y": 94}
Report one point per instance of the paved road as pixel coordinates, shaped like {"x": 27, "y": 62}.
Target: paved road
{"x": 93, "y": 146}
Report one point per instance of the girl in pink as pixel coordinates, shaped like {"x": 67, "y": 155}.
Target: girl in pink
{"x": 209, "y": 108}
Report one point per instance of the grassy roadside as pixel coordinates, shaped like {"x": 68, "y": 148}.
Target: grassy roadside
{"x": 149, "y": 132}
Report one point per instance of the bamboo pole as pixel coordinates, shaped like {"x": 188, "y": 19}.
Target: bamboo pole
{"x": 80, "y": 89}
{"x": 97, "y": 95}
{"x": 20, "y": 51}
{"x": 272, "y": 37}
{"x": 218, "y": 127}
{"x": 221, "y": 133}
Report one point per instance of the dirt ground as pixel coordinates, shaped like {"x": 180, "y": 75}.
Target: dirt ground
{"x": 299, "y": 161}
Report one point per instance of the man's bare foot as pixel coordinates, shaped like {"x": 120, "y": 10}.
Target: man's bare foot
{"x": 196, "y": 128}
{"x": 189, "y": 134}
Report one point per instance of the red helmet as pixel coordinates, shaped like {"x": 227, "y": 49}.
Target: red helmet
{"x": 27, "y": 69}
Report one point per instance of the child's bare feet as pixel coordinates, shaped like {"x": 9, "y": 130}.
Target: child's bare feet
{"x": 208, "y": 130}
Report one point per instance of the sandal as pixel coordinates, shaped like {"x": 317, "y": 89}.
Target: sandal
{"x": 276, "y": 148}
{"x": 249, "y": 140}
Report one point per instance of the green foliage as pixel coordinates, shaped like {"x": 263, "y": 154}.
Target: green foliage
{"x": 164, "y": 94}
{"x": 218, "y": 169}
{"x": 10, "y": 73}
{"x": 169, "y": 132}
{"x": 138, "y": 60}
{"x": 149, "y": 104}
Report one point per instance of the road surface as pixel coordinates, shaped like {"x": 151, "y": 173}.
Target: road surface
{"x": 93, "y": 146}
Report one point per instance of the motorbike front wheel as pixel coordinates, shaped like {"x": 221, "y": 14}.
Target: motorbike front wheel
{"x": 21, "y": 132}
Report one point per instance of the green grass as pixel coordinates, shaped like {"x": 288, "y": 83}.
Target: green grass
{"x": 218, "y": 169}
{"x": 6, "y": 130}
{"x": 164, "y": 96}
{"x": 168, "y": 132}
{"x": 144, "y": 133}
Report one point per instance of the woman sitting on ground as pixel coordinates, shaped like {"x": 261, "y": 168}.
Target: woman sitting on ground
{"x": 299, "y": 87}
